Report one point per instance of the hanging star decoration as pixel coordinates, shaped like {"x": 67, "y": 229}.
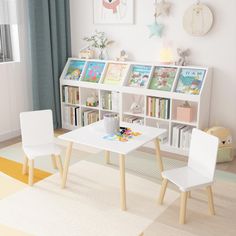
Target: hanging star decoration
{"x": 162, "y": 8}
{"x": 155, "y": 29}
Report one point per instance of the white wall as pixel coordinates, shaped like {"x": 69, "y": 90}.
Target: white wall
{"x": 15, "y": 85}
{"x": 217, "y": 49}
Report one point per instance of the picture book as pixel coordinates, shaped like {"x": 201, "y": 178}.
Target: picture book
{"x": 139, "y": 76}
{"x": 163, "y": 78}
{"x": 74, "y": 70}
{"x": 190, "y": 81}
{"x": 115, "y": 73}
{"x": 93, "y": 71}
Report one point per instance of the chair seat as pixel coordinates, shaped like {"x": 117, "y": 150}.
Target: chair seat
{"x": 41, "y": 150}
{"x": 186, "y": 178}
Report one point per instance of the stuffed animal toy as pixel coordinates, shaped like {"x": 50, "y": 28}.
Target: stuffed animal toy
{"x": 225, "y": 152}
{"x": 183, "y": 54}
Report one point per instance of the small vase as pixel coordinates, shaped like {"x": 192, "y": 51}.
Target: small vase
{"x": 102, "y": 54}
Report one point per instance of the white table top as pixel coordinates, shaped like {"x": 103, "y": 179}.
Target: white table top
{"x": 92, "y": 135}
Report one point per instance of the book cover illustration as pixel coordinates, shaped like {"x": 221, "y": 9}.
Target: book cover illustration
{"x": 115, "y": 73}
{"x": 163, "y": 78}
{"x": 190, "y": 81}
{"x": 139, "y": 76}
{"x": 74, "y": 70}
{"x": 93, "y": 72}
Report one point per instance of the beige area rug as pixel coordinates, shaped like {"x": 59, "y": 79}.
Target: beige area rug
{"x": 8, "y": 187}
{"x": 198, "y": 221}
{"x": 89, "y": 206}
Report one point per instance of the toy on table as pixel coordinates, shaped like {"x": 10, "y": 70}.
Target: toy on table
{"x": 225, "y": 151}
{"x": 124, "y": 135}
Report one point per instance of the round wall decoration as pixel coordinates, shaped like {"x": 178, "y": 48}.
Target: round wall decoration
{"x": 198, "y": 19}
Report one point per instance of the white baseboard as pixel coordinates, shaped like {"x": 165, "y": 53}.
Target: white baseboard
{"x": 9, "y": 135}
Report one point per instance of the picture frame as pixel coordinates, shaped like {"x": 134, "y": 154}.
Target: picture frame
{"x": 113, "y": 11}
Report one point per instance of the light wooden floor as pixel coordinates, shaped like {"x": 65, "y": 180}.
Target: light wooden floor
{"x": 228, "y": 166}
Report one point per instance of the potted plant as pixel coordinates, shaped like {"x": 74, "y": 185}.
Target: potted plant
{"x": 99, "y": 41}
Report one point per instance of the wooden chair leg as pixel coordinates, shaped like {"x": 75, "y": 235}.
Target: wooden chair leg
{"x": 183, "y": 204}
{"x": 66, "y": 164}
{"x": 31, "y": 172}
{"x": 107, "y": 157}
{"x": 54, "y": 162}
{"x": 210, "y": 200}
{"x": 59, "y": 164}
{"x": 25, "y": 165}
{"x": 163, "y": 191}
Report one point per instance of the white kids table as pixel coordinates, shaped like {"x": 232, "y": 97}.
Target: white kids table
{"x": 93, "y": 136}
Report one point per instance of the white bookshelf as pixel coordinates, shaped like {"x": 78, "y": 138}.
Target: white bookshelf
{"x": 201, "y": 102}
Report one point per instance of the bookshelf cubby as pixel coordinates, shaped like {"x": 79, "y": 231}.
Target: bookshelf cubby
{"x": 116, "y": 96}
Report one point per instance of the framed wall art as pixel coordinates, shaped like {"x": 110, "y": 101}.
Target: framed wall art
{"x": 113, "y": 11}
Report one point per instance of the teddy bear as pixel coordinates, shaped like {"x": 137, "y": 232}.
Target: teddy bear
{"x": 183, "y": 54}
{"x": 225, "y": 151}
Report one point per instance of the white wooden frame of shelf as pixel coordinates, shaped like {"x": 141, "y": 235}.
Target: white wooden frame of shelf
{"x": 202, "y": 100}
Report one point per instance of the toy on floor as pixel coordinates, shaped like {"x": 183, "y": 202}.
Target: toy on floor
{"x": 225, "y": 151}
{"x": 124, "y": 135}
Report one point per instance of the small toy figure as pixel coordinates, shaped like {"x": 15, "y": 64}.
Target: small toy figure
{"x": 225, "y": 151}
{"x": 123, "y": 56}
{"x": 92, "y": 101}
{"x": 183, "y": 54}
{"x": 136, "y": 107}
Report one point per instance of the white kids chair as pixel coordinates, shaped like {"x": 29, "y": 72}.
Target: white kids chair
{"x": 198, "y": 173}
{"x": 37, "y": 140}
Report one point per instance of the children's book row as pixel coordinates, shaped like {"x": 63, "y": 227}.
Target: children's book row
{"x": 158, "y": 107}
{"x": 188, "y": 80}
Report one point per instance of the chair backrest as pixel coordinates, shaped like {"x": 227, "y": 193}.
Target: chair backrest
{"x": 203, "y": 153}
{"x": 36, "y": 127}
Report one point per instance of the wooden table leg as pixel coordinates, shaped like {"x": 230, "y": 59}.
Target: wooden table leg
{"x": 66, "y": 164}
{"x": 107, "y": 157}
{"x": 158, "y": 154}
{"x": 122, "y": 183}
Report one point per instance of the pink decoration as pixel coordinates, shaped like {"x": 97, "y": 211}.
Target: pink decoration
{"x": 113, "y": 5}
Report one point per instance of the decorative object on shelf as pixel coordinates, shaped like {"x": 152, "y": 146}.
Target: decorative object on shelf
{"x": 156, "y": 28}
{"x": 111, "y": 123}
{"x": 113, "y": 11}
{"x": 183, "y": 54}
{"x": 92, "y": 101}
{"x": 124, "y": 135}
{"x": 75, "y": 70}
{"x": 123, "y": 56}
{"x": 185, "y": 112}
{"x": 136, "y": 106}
{"x": 163, "y": 78}
{"x": 225, "y": 151}
{"x": 198, "y": 19}
{"x": 166, "y": 55}
{"x": 162, "y": 8}
{"x": 190, "y": 81}
{"x": 99, "y": 41}
{"x": 86, "y": 53}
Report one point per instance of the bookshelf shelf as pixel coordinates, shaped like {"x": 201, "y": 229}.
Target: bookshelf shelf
{"x": 119, "y": 95}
